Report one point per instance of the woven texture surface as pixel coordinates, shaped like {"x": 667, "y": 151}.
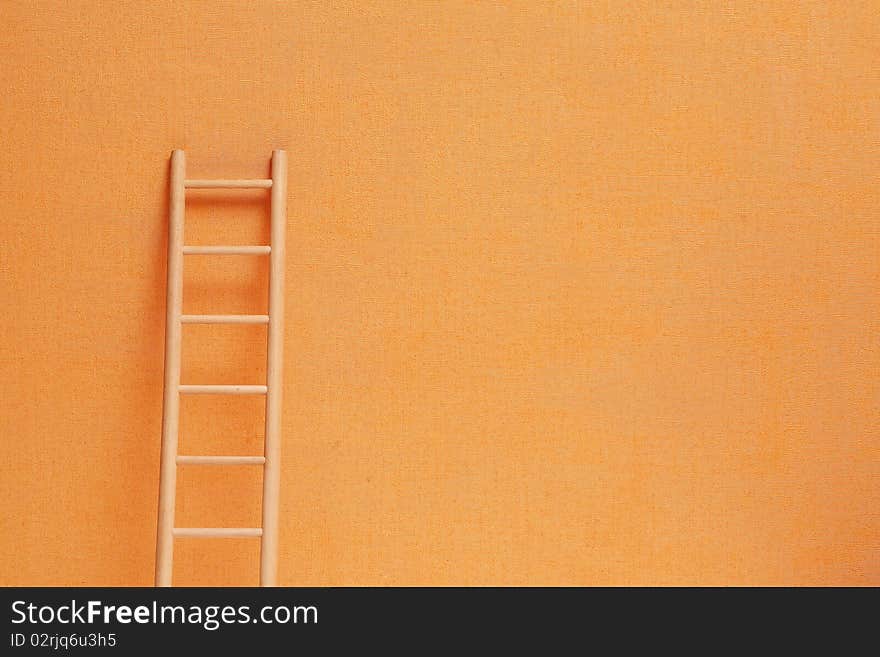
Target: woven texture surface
{"x": 583, "y": 293}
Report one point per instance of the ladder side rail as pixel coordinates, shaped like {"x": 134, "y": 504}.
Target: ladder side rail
{"x": 274, "y": 363}
{"x": 171, "y": 403}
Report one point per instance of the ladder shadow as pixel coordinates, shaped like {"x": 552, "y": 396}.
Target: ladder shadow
{"x": 136, "y": 565}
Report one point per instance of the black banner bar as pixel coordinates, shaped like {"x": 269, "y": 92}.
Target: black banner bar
{"x": 132, "y": 620}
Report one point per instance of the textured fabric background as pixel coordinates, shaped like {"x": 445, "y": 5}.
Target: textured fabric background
{"x": 578, "y": 293}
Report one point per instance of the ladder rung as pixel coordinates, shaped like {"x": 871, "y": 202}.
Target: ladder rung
{"x": 221, "y": 460}
{"x": 227, "y": 250}
{"x": 217, "y": 532}
{"x": 223, "y": 389}
{"x": 263, "y": 183}
{"x": 224, "y": 319}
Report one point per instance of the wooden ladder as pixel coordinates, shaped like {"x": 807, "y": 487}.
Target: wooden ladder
{"x": 268, "y": 533}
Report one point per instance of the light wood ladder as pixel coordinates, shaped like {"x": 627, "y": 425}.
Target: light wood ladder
{"x": 268, "y": 532}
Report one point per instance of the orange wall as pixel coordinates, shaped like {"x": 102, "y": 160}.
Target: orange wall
{"x": 578, "y": 294}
